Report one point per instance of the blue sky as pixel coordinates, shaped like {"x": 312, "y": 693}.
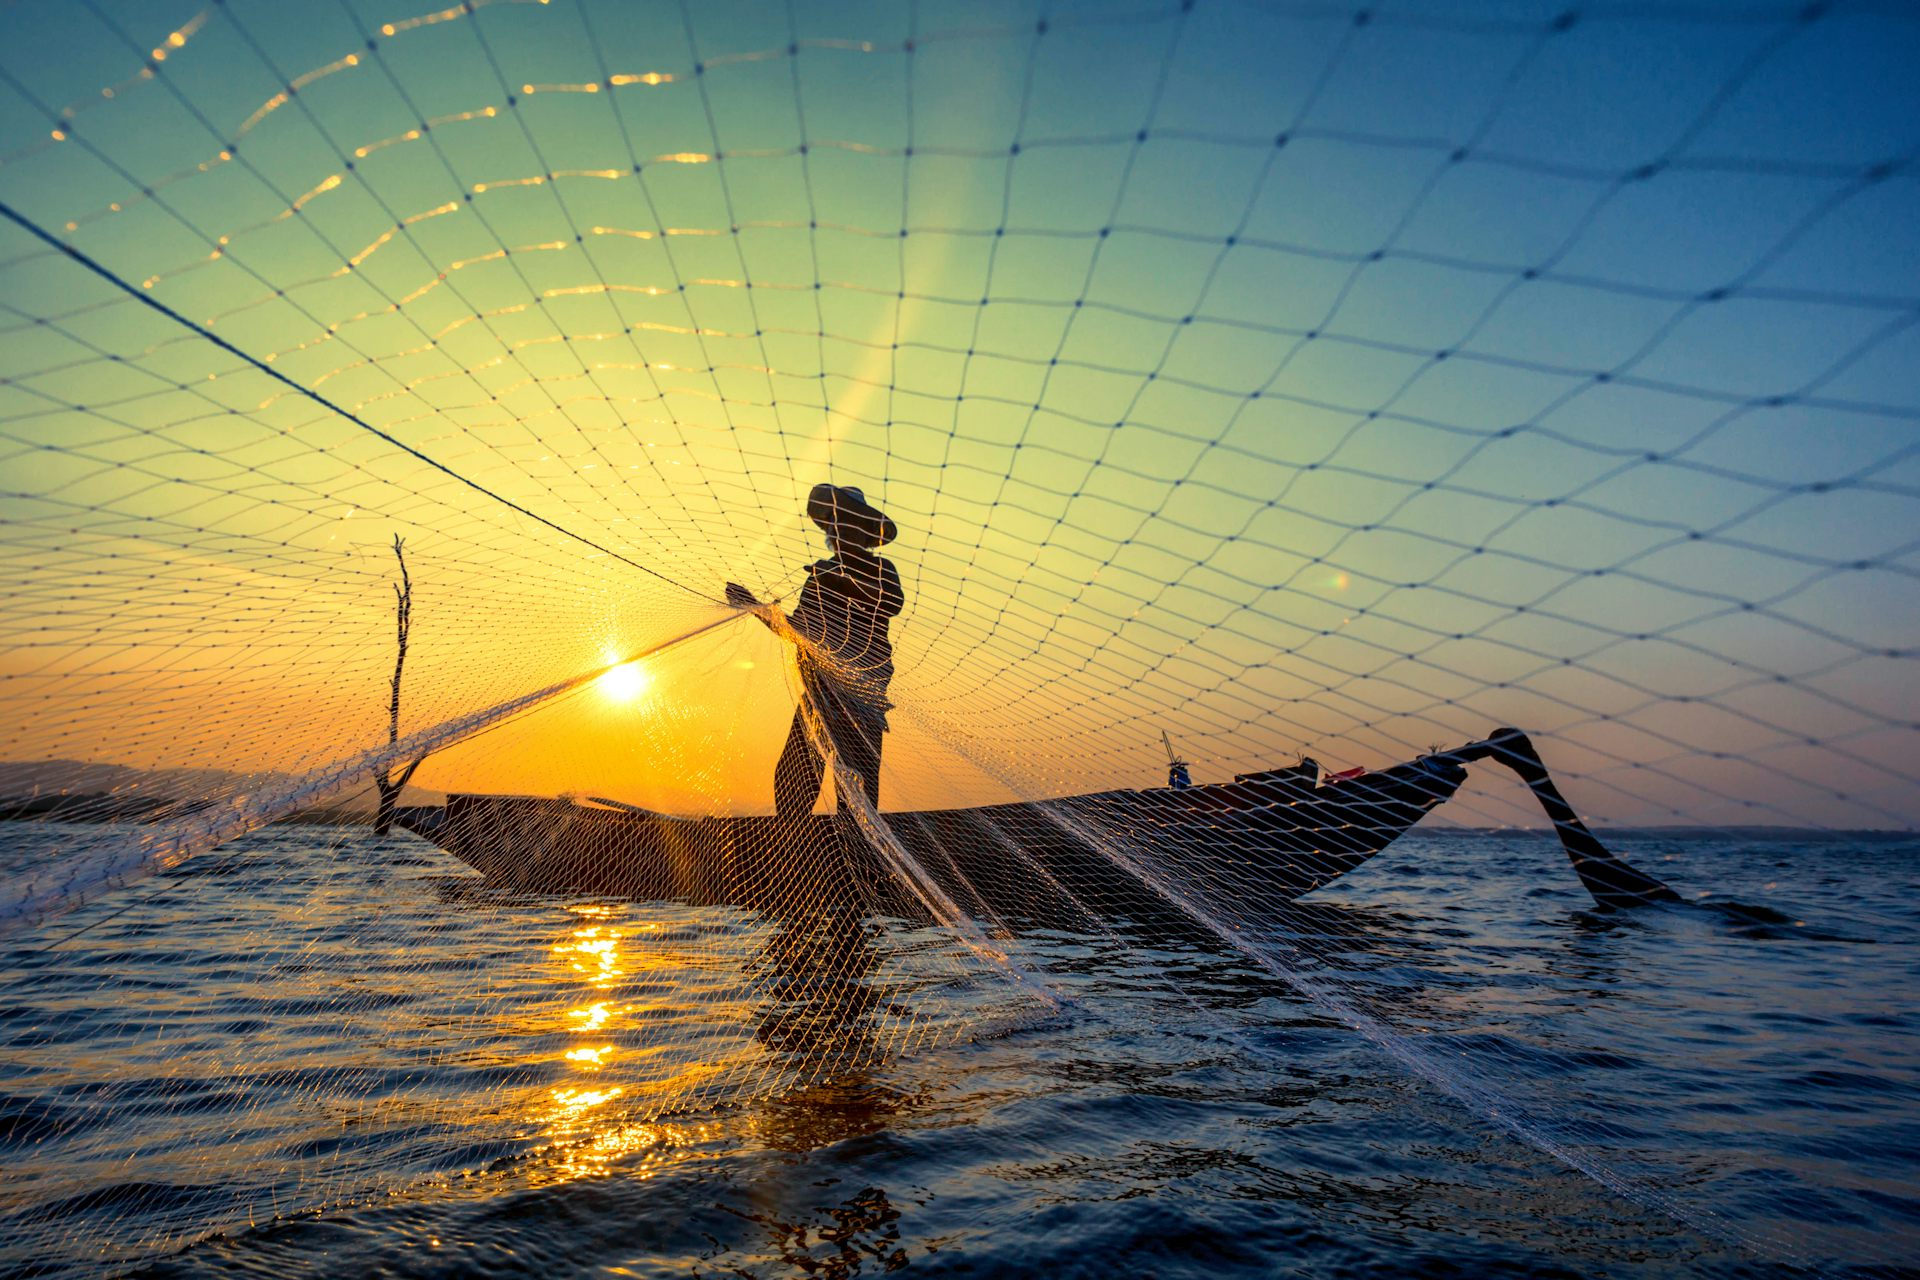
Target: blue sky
{"x": 1289, "y": 376}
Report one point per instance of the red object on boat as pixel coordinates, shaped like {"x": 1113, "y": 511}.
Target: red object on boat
{"x": 1347, "y": 774}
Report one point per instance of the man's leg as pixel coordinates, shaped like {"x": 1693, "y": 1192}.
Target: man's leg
{"x": 796, "y": 779}
{"x": 857, "y": 739}
{"x": 857, "y": 768}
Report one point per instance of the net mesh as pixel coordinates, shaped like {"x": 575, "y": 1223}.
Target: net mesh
{"x": 1287, "y": 379}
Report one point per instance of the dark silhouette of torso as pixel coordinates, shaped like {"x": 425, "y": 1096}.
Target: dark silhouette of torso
{"x": 845, "y": 609}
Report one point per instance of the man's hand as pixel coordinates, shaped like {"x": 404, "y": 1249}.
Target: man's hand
{"x": 741, "y": 598}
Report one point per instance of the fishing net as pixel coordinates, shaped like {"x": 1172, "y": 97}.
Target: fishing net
{"x": 388, "y": 397}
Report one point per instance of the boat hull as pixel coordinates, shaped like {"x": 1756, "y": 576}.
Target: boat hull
{"x": 1267, "y": 838}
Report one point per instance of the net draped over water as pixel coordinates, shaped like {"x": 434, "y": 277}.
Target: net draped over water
{"x": 1292, "y": 380}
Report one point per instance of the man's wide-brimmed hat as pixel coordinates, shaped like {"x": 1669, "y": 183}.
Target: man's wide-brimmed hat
{"x": 844, "y": 512}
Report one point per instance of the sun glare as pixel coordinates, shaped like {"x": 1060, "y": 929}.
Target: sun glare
{"x": 625, "y": 682}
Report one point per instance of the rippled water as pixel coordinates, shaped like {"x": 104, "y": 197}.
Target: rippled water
{"x": 349, "y": 1057}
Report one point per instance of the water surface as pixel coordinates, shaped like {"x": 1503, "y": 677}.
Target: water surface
{"x": 321, "y": 1052}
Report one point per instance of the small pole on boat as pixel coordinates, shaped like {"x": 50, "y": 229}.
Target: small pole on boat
{"x": 1177, "y": 776}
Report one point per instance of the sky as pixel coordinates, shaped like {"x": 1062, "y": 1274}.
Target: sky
{"x": 1287, "y": 377}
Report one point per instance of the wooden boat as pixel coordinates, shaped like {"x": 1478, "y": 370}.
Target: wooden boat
{"x": 1262, "y": 838}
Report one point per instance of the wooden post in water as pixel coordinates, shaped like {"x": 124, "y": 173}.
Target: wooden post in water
{"x": 386, "y": 782}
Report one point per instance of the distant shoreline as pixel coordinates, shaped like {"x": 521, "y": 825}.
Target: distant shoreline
{"x": 92, "y": 807}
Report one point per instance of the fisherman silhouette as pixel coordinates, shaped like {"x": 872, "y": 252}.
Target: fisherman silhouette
{"x": 847, "y": 662}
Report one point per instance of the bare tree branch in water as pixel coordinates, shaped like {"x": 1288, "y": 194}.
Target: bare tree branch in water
{"x": 389, "y": 784}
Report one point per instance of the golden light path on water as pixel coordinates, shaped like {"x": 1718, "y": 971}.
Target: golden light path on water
{"x": 628, "y": 1017}
{"x": 587, "y": 1124}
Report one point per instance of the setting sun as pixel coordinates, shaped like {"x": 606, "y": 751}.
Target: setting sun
{"x": 625, "y": 682}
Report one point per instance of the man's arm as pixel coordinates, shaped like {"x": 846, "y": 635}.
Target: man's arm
{"x": 875, "y": 586}
{"x": 741, "y": 598}
{"x": 805, "y": 615}
{"x": 892, "y": 597}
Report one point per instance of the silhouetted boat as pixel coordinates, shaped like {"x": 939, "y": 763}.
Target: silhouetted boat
{"x": 1263, "y": 837}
